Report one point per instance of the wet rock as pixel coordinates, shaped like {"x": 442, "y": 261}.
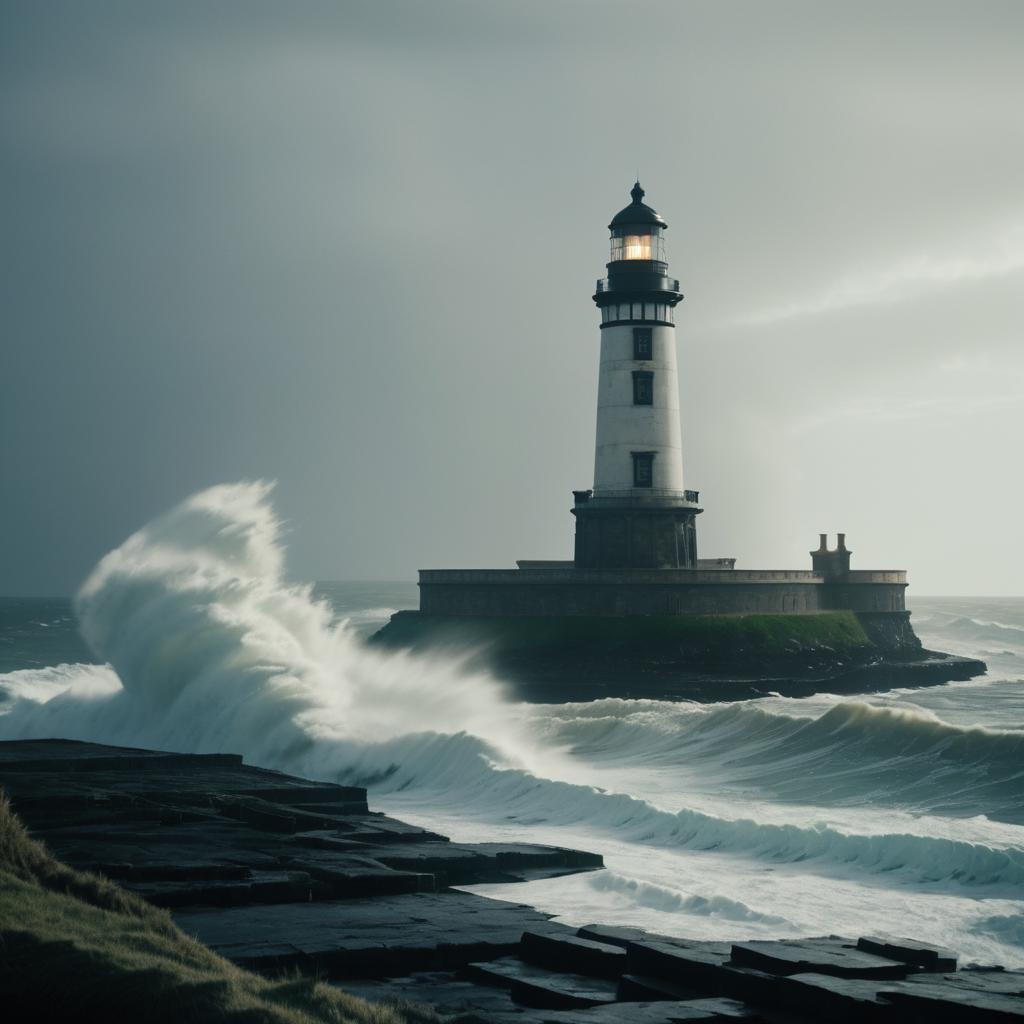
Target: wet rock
{"x": 621, "y": 935}
{"x": 917, "y": 954}
{"x": 153, "y": 851}
{"x": 694, "y": 965}
{"x": 571, "y": 953}
{"x": 340, "y": 799}
{"x": 261, "y": 815}
{"x": 985, "y": 979}
{"x": 259, "y": 887}
{"x": 711, "y": 1011}
{"x": 702, "y": 967}
{"x": 466, "y": 864}
{"x": 535, "y": 986}
{"x": 643, "y": 988}
{"x": 351, "y": 875}
{"x": 816, "y": 956}
{"x": 843, "y": 999}
{"x": 389, "y": 935}
{"x": 983, "y": 999}
{"x": 448, "y": 991}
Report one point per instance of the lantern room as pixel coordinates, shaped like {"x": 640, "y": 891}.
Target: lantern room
{"x": 638, "y": 266}
{"x": 637, "y": 232}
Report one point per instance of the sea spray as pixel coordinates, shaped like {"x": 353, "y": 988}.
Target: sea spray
{"x": 666, "y": 899}
{"x": 213, "y": 651}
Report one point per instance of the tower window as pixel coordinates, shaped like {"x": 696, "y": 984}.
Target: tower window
{"x": 643, "y": 469}
{"x": 642, "y": 344}
{"x": 643, "y": 387}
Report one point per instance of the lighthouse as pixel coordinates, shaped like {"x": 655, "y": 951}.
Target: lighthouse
{"x": 636, "y": 551}
{"x": 638, "y": 514}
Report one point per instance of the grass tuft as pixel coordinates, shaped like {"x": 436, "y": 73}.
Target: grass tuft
{"x": 74, "y": 946}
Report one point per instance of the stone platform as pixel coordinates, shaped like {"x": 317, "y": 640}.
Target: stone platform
{"x": 568, "y": 658}
{"x": 277, "y": 872}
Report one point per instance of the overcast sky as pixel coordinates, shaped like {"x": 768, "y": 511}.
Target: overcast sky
{"x": 350, "y": 247}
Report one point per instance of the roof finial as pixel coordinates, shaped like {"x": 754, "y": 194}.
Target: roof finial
{"x": 637, "y": 192}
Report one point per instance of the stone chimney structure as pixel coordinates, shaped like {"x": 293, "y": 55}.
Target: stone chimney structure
{"x": 833, "y": 565}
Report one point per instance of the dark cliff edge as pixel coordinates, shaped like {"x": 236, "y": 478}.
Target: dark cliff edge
{"x": 684, "y": 657}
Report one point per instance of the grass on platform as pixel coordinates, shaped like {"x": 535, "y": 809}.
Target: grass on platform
{"x": 75, "y": 947}
{"x": 719, "y": 634}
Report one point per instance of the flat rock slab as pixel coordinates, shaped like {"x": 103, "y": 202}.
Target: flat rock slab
{"x": 817, "y": 957}
{"x": 373, "y": 828}
{"x": 467, "y": 864}
{"x": 259, "y": 887}
{"x": 151, "y": 850}
{"x": 917, "y": 954}
{"x": 984, "y": 979}
{"x": 704, "y": 968}
{"x": 929, "y": 998}
{"x": 283, "y": 815}
{"x": 846, "y": 999}
{"x": 571, "y": 953}
{"x": 687, "y": 1012}
{"x": 623, "y": 935}
{"x": 387, "y": 935}
{"x": 447, "y": 991}
{"x": 675, "y": 961}
{"x": 354, "y": 876}
{"x": 172, "y": 779}
{"x": 644, "y": 988}
{"x": 75, "y": 755}
{"x": 534, "y": 986}
{"x": 295, "y": 792}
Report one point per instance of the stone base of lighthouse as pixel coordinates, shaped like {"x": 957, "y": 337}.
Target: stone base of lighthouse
{"x": 639, "y": 534}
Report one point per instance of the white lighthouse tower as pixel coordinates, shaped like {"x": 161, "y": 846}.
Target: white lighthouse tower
{"x": 638, "y": 514}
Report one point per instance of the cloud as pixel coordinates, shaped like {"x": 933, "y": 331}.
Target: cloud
{"x": 897, "y": 409}
{"x": 999, "y": 254}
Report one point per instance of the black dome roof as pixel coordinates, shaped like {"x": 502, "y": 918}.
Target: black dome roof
{"x": 637, "y": 212}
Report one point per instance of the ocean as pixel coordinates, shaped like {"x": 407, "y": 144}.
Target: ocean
{"x": 898, "y": 813}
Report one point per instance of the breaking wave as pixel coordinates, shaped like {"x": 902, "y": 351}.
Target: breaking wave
{"x": 208, "y": 649}
{"x": 983, "y": 630}
{"x": 853, "y": 753}
{"x": 662, "y": 898}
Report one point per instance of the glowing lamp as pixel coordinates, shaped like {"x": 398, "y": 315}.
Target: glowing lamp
{"x": 637, "y": 232}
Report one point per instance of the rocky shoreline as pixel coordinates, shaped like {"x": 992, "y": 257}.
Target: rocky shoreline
{"x": 279, "y": 873}
{"x": 544, "y": 685}
{"x": 699, "y": 658}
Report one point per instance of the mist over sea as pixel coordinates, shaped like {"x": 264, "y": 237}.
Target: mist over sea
{"x": 900, "y": 812}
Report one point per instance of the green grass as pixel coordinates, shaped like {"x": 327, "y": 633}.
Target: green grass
{"x": 718, "y": 635}
{"x": 74, "y": 946}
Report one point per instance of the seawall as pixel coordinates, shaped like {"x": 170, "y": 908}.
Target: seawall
{"x": 562, "y": 589}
